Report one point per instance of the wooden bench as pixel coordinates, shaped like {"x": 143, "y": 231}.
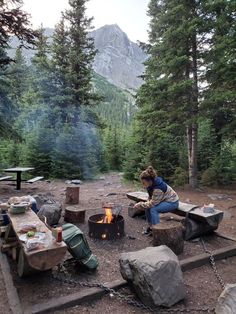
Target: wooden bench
{"x": 36, "y": 260}
{"x": 34, "y": 179}
{"x": 197, "y": 222}
{"x": 5, "y": 178}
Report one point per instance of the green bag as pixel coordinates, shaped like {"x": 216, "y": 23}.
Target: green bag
{"x": 78, "y": 246}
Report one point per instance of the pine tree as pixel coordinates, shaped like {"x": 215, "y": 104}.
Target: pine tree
{"x": 169, "y": 98}
{"x": 14, "y": 21}
{"x": 62, "y": 99}
{"x": 220, "y": 95}
{"x": 41, "y": 71}
{"x": 18, "y": 77}
{"x": 81, "y": 55}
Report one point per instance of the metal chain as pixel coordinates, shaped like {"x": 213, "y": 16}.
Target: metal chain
{"x": 123, "y": 297}
{"x": 213, "y": 264}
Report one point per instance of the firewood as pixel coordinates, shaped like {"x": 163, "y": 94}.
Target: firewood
{"x": 74, "y": 215}
{"x": 72, "y": 195}
{"x": 169, "y": 233}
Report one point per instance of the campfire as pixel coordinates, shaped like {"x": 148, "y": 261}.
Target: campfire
{"x": 108, "y": 215}
{"x": 107, "y": 226}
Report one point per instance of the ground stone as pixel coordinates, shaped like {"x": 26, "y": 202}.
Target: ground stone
{"x": 155, "y": 275}
{"x": 227, "y": 300}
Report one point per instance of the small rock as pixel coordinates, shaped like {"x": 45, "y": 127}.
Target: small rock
{"x": 107, "y": 183}
{"x": 76, "y": 182}
{"x": 110, "y": 194}
{"x": 68, "y": 182}
{"x": 130, "y": 237}
{"x": 220, "y": 197}
{"x": 102, "y": 178}
{"x": 227, "y": 300}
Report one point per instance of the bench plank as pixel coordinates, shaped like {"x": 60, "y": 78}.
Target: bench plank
{"x": 193, "y": 211}
{"x": 5, "y": 178}
{"x": 34, "y": 179}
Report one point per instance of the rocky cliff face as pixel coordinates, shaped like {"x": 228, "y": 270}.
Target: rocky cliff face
{"x": 118, "y": 59}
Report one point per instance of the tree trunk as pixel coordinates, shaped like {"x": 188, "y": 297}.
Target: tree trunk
{"x": 170, "y": 234}
{"x": 192, "y": 154}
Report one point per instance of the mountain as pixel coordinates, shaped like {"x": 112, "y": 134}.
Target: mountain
{"x": 117, "y": 107}
{"x": 119, "y": 60}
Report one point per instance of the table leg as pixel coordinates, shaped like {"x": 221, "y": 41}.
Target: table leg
{"x": 18, "y": 180}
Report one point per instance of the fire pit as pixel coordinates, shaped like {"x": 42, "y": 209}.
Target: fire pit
{"x": 107, "y": 227}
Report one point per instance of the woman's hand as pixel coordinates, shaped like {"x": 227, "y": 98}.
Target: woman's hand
{"x": 137, "y": 206}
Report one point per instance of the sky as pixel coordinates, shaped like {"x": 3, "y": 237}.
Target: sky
{"x": 130, "y": 15}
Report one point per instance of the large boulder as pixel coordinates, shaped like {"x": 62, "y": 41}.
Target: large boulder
{"x": 227, "y": 301}
{"x": 155, "y": 275}
{"x": 52, "y": 212}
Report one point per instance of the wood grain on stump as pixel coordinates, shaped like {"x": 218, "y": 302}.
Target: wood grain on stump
{"x": 74, "y": 215}
{"x": 169, "y": 233}
{"x": 72, "y": 195}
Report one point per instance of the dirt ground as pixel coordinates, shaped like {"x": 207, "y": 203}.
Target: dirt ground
{"x": 201, "y": 284}
{"x": 4, "y": 307}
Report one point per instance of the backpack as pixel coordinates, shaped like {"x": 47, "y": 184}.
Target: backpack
{"x": 78, "y": 246}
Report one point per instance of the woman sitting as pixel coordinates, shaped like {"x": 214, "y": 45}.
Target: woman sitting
{"x": 162, "y": 198}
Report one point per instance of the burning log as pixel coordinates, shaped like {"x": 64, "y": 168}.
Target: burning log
{"x": 169, "y": 233}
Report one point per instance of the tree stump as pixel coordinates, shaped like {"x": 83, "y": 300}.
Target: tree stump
{"x": 169, "y": 233}
{"x": 72, "y": 195}
{"x": 74, "y": 215}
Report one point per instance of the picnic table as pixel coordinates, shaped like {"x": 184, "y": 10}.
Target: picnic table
{"x": 36, "y": 260}
{"x": 18, "y": 171}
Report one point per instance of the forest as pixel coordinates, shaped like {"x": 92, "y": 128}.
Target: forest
{"x": 59, "y": 116}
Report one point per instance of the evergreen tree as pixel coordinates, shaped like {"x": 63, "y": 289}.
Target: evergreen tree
{"x": 14, "y": 21}
{"x": 220, "y": 94}
{"x": 62, "y": 99}
{"x": 81, "y": 56}
{"x": 169, "y": 98}
{"x": 18, "y": 77}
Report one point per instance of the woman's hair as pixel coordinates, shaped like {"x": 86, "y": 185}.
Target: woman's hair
{"x": 148, "y": 174}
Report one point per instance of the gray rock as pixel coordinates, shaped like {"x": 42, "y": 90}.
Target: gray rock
{"x": 51, "y": 212}
{"x": 227, "y": 301}
{"x": 42, "y": 199}
{"x": 216, "y": 197}
{"x": 155, "y": 275}
{"x": 119, "y": 60}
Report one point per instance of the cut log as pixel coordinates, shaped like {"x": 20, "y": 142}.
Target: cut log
{"x": 195, "y": 229}
{"x": 169, "y": 233}
{"x": 72, "y": 195}
{"x": 74, "y": 215}
{"x": 134, "y": 212}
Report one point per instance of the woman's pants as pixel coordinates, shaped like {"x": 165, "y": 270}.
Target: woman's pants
{"x": 153, "y": 214}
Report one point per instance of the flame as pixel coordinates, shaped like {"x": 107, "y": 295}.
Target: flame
{"x": 108, "y": 217}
